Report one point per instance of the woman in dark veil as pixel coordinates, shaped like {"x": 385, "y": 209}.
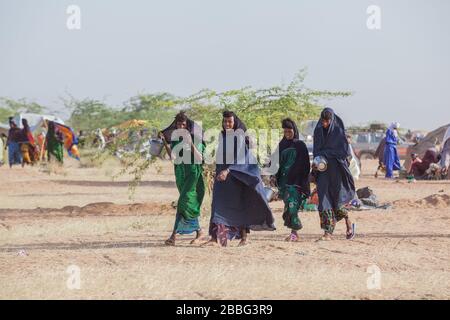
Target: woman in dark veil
{"x": 335, "y": 185}
{"x": 239, "y": 203}
{"x": 292, "y": 177}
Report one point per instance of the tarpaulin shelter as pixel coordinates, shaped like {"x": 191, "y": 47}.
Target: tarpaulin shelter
{"x": 431, "y": 140}
{"x": 35, "y": 121}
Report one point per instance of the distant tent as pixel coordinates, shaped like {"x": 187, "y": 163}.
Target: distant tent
{"x": 431, "y": 140}
{"x": 35, "y": 121}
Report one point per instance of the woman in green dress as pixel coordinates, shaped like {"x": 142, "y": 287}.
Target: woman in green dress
{"x": 54, "y": 143}
{"x": 188, "y": 175}
{"x": 292, "y": 177}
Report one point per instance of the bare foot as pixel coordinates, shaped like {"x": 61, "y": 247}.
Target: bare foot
{"x": 197, "y": 237}
{"x": 211, "y": 243}
{"x": 243, "y": 243}
{"x": 170, "y": 242}
{"x": 325, "y": 237}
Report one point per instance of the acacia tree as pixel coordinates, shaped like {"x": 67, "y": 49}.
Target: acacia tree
{"x": 258, "y": 108}
{"x": 90, "y": 114}
{"x": 11, "y": 107}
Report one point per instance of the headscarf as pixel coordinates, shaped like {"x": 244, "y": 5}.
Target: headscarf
{"x": 393, "y": 127}
{"x": 332, "y": 142}
{"x": 194, "y": 129}
{"x": 238, "y": 125}
{"x": 27, "y": 135}
{"x": 285, "y": 143}
{"x": 53, "y": 134}
{"x": 12, "y": 122}
{"x": 299, "y": 172}
{"x": 14, "y": 132}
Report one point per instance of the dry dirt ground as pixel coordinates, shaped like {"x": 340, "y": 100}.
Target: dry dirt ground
{"x": 78, "y": 224}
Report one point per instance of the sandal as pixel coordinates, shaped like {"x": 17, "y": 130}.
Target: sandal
{"x": 292, "y": 238}
{"x": 353, "y": 233}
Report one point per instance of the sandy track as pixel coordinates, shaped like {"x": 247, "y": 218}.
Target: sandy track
{"x": 80, "y": 217}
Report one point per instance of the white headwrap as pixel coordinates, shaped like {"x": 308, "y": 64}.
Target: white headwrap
{"x": 393, "y": 127}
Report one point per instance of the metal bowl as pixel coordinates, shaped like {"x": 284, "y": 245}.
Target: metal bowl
{"x": 320, "y": 163}
{"x": 156, "y": 146}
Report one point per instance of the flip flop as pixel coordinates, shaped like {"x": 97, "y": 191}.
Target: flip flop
{"x": 291, "y": 238}
{"x": 352, "y": 235}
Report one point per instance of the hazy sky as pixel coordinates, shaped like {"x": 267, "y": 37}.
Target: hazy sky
{"x": 401, "y": 72}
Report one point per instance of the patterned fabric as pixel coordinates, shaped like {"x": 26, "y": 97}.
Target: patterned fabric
{"x": 329, "y": 218}
{"x": 224, "y": 233}
{"x": 287, "y": 159}
{"x": 294, "y": 201}
{"x": 186, "y": 226}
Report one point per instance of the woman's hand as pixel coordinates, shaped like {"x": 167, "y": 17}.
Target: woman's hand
{"x": 222, "y": 176}
{"x": 273, "y": 181}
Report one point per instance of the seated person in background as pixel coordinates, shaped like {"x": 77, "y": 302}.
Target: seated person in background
{"x": 379, "y": 154}
{"x": 420, "y": 166}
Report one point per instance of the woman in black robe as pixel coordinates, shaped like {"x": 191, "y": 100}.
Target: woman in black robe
{"x": 292, "y": 177}
{"x": 239, "y": 203}
{"x": 335, "y": 185}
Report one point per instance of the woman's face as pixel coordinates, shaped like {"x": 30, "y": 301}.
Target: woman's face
{"x": 288, "y": 133}
{"x": 228, "y": 123}
{"x": 181, "y": 125}
{"x": 326, "y": 123}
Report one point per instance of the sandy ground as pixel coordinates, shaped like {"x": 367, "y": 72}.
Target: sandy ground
{"x": 78, "y": 224}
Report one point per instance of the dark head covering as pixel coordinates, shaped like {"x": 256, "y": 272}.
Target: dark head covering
{"x": 238, "y": 124}
{"x": 193, "y": 128}
{"x": 51, "y": 129}
{"x": 285, "y": 143}
{"x": 14, "y": 133}
{"x": 25, "y": 124}
{"x": 331, "y": 142}
{"x": 53, "y": 133}
{"x": 25, "y": 133}
{"x": 12, "y": 122}
{"x": 299, "y": 172}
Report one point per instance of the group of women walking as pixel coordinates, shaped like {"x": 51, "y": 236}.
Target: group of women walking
{"x": 24, "y": 150}
{"x": 239, "y": 203}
